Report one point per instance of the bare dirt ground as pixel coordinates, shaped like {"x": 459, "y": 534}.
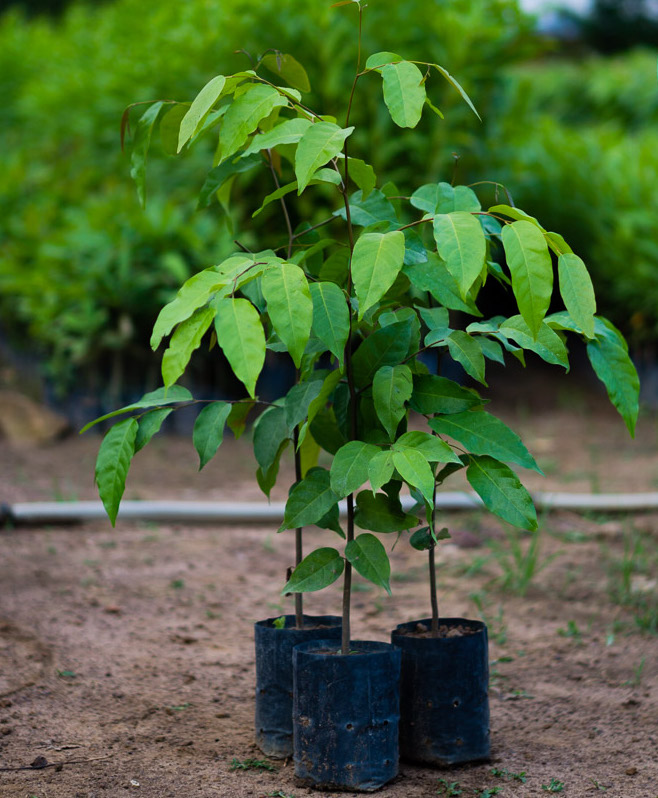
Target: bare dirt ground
{"x": 126, "y": 655}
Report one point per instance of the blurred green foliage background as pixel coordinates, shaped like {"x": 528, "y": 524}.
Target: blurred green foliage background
{"x": 84, "y": 270}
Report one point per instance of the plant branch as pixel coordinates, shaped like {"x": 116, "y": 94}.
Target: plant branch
{"x": 299, "y": 554}
{"x": 282, "y": 200}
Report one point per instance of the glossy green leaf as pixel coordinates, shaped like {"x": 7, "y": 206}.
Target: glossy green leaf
{"x": 501, "y": 491}
{"x": 443, "y": 198}
{"x": 577, "y": 291}
{"x": 140, "y": 148}
{"x": 331, "y": 317}
{"x": 218, "y": 176}
{"x": 243, "y": 116}
{"x": 548, "y": 344}
{"x": 482, "y": 433}
{"x": 415, "y": 470}
{"x": 376, "y": 262}
{"x": 424, "y": 540}
{"x": 432, "y": 448}
{"x": 349, "y": 469}
{"x": 185, "y": 340}
{"x": 453, "y": 82}
{"x": 200, "y": 108}
{"x": 112, "y": 464}
{"x": 491, "y": 349}
{"x": 385, "y": 347}
{"x": 461, "y": 243}
{"x": 298, "y": 400}
{"x": 363, "y": 175}
{"x": 326, "y": 431}
{"x": 328, "y": 387}
{"x": 270, "y": 431}
{"x": 321, "y": 142}
{"x": 310, "y": 500}
{"x": 316, "y": 571}
{"x": 208, "y": 432}
{"x": 289, "y": 69}
{"x": 530, "y": 264}
{"x": 466, "y": 350}
{"x": 321, "y": 176}
{"x": 404, "y": 92}
{"x": 380, "y": 513}
{"x": 391, "y": 388}
{"x": 157, "y": 398}
{"x": 433, "y": 394}
{"x": 237, "y": 418}
{"x": 608, "y": 355}
{"x": 289, "y": 306}
{"x": 378, "y": 60}
{"x": 369, "y": 558}
{"x": 433, "y": 276}
{"x": 266, "y": 478}
{"x": 242, "y": 339}
{"x": 170, "y": 126}
{"x": 380, "y": 469}
{"x": 149, "y": 425}
{"x": 288, "y": 132}
{"x": 514, "y": 213}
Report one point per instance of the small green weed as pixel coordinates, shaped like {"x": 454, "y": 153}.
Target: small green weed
{"x": 596, "y": 785}
{"x": 66, "y": 674}
{"x": 177, "y": 584}
{"x": 573, "y": 632}
{"x": 250, "y": 764}
{"x": 487, "y": 792}
{"x": 519, "y": 563}
{"x": 279, "y": 794}
{"x": 508, "y": 775}
{"x": 279, "y": 623}
{"x": 554, "y": 786}
{"x": 636, "y": 681}
{"x": 180, "y": 707}
{"x": 496, "y": 625}
{"x": 448, "y": 788}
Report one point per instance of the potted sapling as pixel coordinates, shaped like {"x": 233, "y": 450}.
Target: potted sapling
{"x": 356, "y": 299}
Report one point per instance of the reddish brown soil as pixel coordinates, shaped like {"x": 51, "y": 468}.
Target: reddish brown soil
{"x": 127, "y": 652}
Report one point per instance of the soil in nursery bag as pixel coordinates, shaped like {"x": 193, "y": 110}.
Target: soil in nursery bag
{"x": 444, "y": 702}
{"x": 273, "y": 716}
{"x": 345, "y": 715}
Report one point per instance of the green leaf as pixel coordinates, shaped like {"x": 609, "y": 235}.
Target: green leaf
{"x": 288, "y": 132}
{"x": 208, "y": 432}
{"x": 331, "y": 317}
{"x": 157, "y": 398}
{"x": 310, "y": 500}
{"x": 112, "y": 464}
{"x": 270, "y": 431}
{"x": 515, "y": 213}
{"x": 608, "y": 355}
{"x": 328, "y": 387}
{"x": 433, "y": 276}
{"x": 366, "y": 212}
{"x": 380, "y": 513}
{"x": 461, "y": 243}
{"x": 380, "y": 469}
{"x": 200, "y": 108}
{"x": 433, "y": 394}
{"x": 242, "y": 339}
{"x": 530, "y": 264}
{"x": 369, "y": 558}
{"x": 363, "y": 175}
{"x": 501, "y": 491}
{"x": 415, "y": 471}
{"x": 443, "y": 198}
{"x": 267, "y": 478}
{"x": 289, "y": 306}
{"x": 491, "y": 349}
{"x": 453, "y": 82}
{"x": 349, "y": 469}
{"x": 243, "y": 117}
{"x": 220, "y": 174}
{"x": 404, "y": 93}
{"x": 432, "y": 448}
{"x": 149, "y": 425}
{"x": 185, "y": 340}
{"x": 547, "y": 344}
{"x": 141, "y": 144}
{"x": 318, "y": 570}
{"x": 321, "y": 176}
{"x": 237, "y": 418}
{"x": 326, "y": 432}
{"x": 376, "y": 262}
{"x": 170, "y": 126}
{"x": 466, "y": 350}
{"x": 385, "y": 347}
{"x": 377, "y": 60}
{"x": 424, "y": 540}
{"x": 288, "y": 68}
{"x": 482, "y": 433}
{"x": 391, "y": 388}
{"x": 321, "y": 142}
{"x": 299, "y": 399}
{"x": 577, "y": 291}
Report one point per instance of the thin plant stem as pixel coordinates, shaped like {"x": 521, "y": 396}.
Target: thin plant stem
{"x": 432, "y": 565}
{"x": 299, "y": 554}
{"x": 284, "y": 207}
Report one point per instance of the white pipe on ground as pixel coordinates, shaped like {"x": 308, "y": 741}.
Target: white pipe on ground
{"x": 254, "y": 512}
